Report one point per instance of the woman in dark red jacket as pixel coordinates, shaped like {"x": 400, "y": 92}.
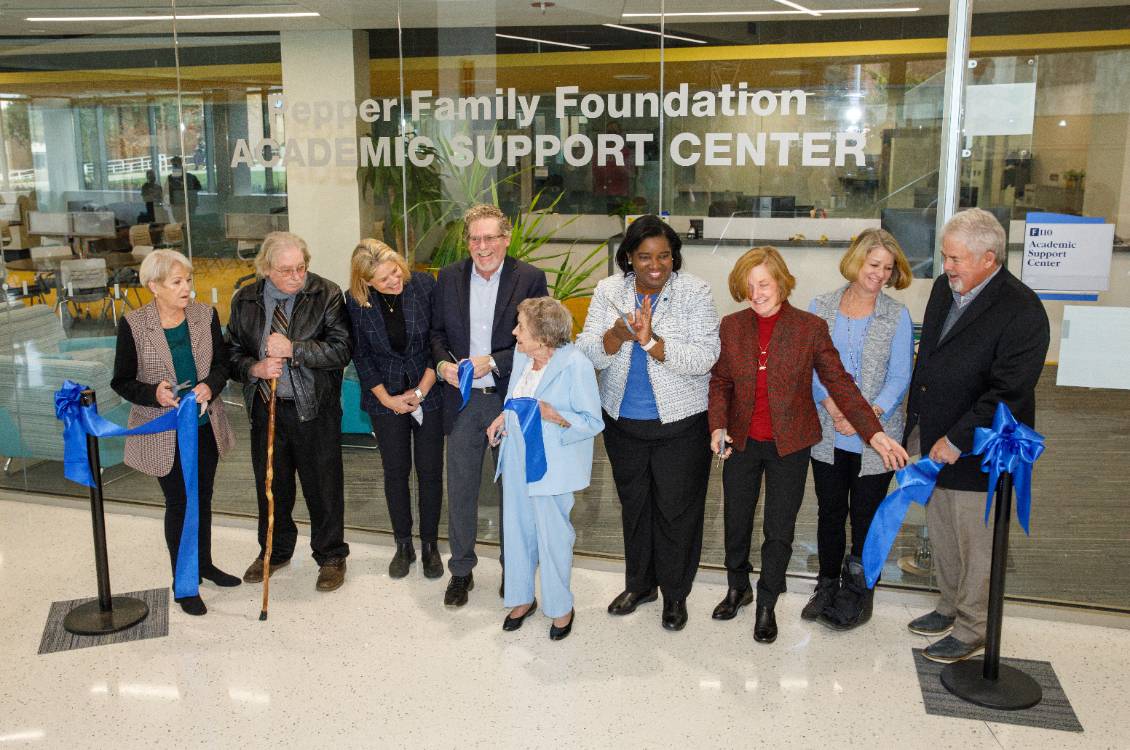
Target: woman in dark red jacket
{"x": 763, "y": 421}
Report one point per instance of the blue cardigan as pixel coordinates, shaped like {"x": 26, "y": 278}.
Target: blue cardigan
{"x": 569, "y": 385}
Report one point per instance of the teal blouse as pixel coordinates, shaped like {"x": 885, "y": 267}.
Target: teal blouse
{"x": 180, "y": 346}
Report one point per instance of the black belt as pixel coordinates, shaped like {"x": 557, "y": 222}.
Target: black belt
{"x": 487, "y": 389}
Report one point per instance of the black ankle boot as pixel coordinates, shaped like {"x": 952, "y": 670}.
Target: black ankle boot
{"x": 404, "y": 557}
{"x": 853, "y": 603}
{"x": 765, "y": 626}
{"x": 433, "y": 564}
{"x": 822, "y": 596}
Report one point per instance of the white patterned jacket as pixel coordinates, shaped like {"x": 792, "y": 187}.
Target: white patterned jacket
{"x": 687, "y": 321}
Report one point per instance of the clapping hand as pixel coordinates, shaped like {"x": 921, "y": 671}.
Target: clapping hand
{"x": 641, "y": 322}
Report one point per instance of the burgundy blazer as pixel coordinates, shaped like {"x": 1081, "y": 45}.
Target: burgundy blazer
{"x": 800, "y": 343}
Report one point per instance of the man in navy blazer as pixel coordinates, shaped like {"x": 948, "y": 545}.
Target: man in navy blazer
{"x": 474, "y": 313}
{"x": 984, "y": 339}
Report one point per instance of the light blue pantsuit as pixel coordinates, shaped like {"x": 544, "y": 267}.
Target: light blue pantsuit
{"x": 535, "y": 516}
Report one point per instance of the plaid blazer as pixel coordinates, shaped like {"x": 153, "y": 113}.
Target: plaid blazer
{"x": 800, "y": 343}
{"x": 377, "y": 362}
{"x": 153, "y": 454}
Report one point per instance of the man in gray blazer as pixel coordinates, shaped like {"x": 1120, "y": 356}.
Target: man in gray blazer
{"x": 984, "y": 339}
{"x": 474, "y": 312}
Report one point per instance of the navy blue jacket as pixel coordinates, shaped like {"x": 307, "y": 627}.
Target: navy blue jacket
{"x": 377, "y": 362}
{"x": 451, "y": 320}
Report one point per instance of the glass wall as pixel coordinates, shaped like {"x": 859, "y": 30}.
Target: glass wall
{"x": 389, "y": 119}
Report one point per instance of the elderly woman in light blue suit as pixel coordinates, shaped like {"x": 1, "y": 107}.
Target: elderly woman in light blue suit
{"x": 535, "y": 516}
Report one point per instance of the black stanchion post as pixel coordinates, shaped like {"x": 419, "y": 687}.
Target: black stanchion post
{"x": 986, "y": 682}
{"x": 108, "y": 614}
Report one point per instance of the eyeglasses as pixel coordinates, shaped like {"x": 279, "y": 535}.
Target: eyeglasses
{"x": 296, "y": 271}
{"x": 485, "y": 239}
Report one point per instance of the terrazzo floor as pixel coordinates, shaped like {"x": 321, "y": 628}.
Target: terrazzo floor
{"x": 382, "y": 663}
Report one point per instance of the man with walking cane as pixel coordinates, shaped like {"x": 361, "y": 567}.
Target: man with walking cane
{"x": 290, "y": 326}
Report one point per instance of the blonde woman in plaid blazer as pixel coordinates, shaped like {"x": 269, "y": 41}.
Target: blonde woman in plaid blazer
{"x": 174, "y": 340}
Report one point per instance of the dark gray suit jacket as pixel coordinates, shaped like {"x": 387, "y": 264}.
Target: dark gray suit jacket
{"x": 451, "y": 320}
{"x": 994, "y": 352}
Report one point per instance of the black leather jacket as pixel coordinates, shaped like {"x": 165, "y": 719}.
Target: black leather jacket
{"x": 319, "y": 332}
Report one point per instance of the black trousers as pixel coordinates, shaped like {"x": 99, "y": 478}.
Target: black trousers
{"x": 661, "y": 472}
{"x": 400, "y": 438}
{"x": 172, "y": 485}
{"x": 840, "y": 491}
{"x": 313, "y": 450}
{"x": 784, "y": 491}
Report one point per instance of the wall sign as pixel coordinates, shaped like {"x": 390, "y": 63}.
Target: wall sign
{"x": 1064, "y": 253}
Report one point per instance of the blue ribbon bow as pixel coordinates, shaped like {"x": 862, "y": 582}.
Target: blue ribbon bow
{"x": 1013, "y": 447}
{"x": 1006, "y": 446}
{"x": 529, "y": 419}
{"x": 79, "y": 421}
{"x": 466, "y": 377}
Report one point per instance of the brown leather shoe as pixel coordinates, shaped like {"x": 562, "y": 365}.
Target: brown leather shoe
{"x": 331, "y": 575}
{"x": 254, "y": 572}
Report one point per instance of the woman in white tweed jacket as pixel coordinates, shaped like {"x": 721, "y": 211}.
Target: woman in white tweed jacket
{"x": 652, "y": 334}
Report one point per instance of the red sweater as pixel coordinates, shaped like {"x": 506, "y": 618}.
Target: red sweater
{"x": 761, "y": 424}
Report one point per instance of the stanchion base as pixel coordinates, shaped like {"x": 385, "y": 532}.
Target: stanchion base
{"x": 1013, "y": 690}
{"x": 89, "y": 619}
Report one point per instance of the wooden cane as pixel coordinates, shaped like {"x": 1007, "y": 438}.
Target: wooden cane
{"x": 270, "y": 499}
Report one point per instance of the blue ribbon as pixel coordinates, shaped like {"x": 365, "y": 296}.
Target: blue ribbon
{"x": 529, "y": 419}
{"x": 1006, "y": 446}
{"x": 1013, "y": 447}
{"x": 79, "y": 421}
{"x": 915, "y": 483}
{"x": 466, "y": 377}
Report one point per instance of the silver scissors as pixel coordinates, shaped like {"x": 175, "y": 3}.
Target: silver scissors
{"x": 720, "y": 456}
{"x": 182, "y": 387}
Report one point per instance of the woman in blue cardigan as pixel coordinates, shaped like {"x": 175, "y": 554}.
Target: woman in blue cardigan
{"x": 535, "y": 515}
{"x": 390, "y": 309}
{"x": 875, "y": 338}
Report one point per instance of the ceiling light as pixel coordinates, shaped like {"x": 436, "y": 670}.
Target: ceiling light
{"x": 653, "y": 33}
{"x": 177, "y": 17}
{"x": 706, "y": 13}
{"x": 541, "y": 41}
{"x": 795, "y": 6}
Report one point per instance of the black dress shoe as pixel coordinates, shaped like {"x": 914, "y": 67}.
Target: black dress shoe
{"x": 192, "y": 605}
{"x": 457, "y": 588}
{"x": 429, "y": 556}
{"x": 674, "y": 614}
{"x": 728, "y": 608}
{"x": 402, "y": 560}
{"x": 513, "y": 623}
{"x": 765, "y": 626}
{"x": 219, "y": 577}
{"x": 560, "y": 634}
{"x": 626, "y": 603}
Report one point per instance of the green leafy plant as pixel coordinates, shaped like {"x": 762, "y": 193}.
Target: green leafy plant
{"x": 445, "y": 190}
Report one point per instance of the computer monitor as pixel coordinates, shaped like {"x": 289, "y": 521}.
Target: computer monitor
{"x": 93, "y": 224}
{"x": 49, "y": 223}
{"x": 914, "y": 228}
{"x": 773, "y": 206}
